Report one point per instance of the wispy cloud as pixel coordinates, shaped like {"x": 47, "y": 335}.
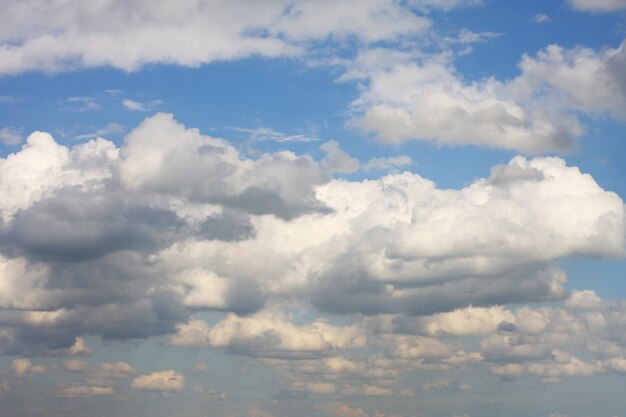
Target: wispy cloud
{"x": 10, "y": 135}
{"x": 139, "y": 106}
{"x": 267, "y": 134}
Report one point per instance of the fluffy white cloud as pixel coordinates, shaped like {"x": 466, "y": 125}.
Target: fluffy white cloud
{"x": 52, "y": 36}
{"x": 268, "y": 334}
{"x": 535, "y": 112}
{"x": 164, "y": 381}
{"x": 161, "y": 224}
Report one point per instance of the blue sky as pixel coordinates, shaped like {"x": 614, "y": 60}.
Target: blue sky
{"x": 374, "y": 208}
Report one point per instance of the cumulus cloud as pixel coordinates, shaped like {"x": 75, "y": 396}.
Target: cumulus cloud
{"x": 268, "y": 334}
{"x": 154, "y": 231}
{"x": 535, "y": 112}
{"x": 164, "y": 381}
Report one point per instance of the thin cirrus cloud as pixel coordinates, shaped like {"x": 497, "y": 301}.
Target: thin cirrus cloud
{"x": 350, "y": 247}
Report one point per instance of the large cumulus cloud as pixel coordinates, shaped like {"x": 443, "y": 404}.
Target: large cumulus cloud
{"x": 132, "y": 242}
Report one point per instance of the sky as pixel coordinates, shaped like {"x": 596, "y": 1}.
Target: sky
{"x": 312, "y": 208}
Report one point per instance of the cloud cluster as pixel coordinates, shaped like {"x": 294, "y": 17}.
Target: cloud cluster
{"x": 427, "y": 99}
{"x": 131, "y": 242}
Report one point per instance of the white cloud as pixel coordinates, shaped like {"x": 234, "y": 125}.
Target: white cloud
{"x": 533, "y": 113}
{"x": 161, "y": 225}
{"x": 138, "y": 106}
{"x": 52, "y": 36}
{"x": 268, "y": 334}
{"x": 599, "y": 6}
{"x": 164, "y": 381}
{"x": 10, "y": 136}
{"x": 263, "y": 134}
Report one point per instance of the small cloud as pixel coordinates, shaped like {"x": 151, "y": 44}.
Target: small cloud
{"x": 23, "y": 367}
{"x": 164, "y": 381}
{"x": 111, "y": 128}
{"x": 541, "y": 18}
{"x": 387, "y": 163}
{"x": 10, "y": 136}
{"x": 337, "y": 160}
{"x": 9, "y": 100}
{"x": 266, "y": 134}
{"x": 84, "y": 391}
{"x": 74, "y": 365}
{"x": 466, "y": 36}
{"x": 81, "y": 103}
{"x": 137, "y": 106}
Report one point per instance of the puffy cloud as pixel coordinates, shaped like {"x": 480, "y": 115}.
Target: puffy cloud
{"x": 94, "y": 237}
{"x": 268, "y": 334}
{"x": 23, "y": 367}
{"x": 52, "y": 36}
{"x": 533, "y": 113}
{"x": 164, "y": 381}
{"x": 598, "y": 5}
{"x": 162, "y": 156}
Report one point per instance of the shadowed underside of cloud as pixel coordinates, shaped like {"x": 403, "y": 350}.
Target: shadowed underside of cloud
{"x": 131, "y": 242}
